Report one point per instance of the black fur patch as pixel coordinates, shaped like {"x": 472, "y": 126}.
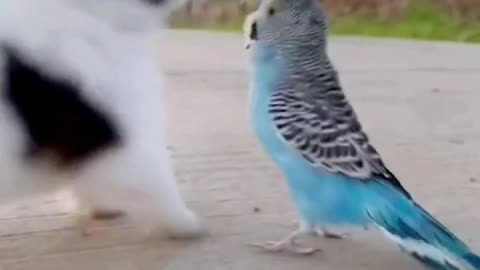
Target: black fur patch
{"x": 53, "y": 114}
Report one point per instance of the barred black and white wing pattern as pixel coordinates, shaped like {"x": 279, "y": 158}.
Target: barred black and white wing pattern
{"x": 315, "y": 118}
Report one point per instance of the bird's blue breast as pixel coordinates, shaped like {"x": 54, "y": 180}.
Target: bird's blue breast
{"x": 268, "y": 71}
{"x": 318, "y": 194}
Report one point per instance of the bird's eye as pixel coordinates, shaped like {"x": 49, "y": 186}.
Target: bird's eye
{"x": 271, "y": 11}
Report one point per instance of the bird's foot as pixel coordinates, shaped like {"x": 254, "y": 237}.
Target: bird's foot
{"x": 279, "y": 246}
{"x": 329, "y": 234}
{"x": 104, "y": 214}
{"x": 287, "y": 244}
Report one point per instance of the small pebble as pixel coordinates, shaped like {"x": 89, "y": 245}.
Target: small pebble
{"x": 436, "y": 90}
{"x": 473, "y": 180}
{"x": 256, "y": 209}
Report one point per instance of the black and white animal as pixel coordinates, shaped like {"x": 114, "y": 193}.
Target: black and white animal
{"x": 82, "y": 107}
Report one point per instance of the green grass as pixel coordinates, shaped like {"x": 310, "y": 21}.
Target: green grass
{"x": 420, "y": 21}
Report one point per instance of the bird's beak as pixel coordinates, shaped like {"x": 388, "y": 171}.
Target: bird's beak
{"x": 250, "y": 30}
{"x": 253, "y": 34}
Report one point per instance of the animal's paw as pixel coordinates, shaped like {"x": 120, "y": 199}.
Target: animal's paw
{"x": 104, "y": 214}
{"x": 84, "y": 220}
{"x": 83, "y": 224}
{"x": 189, "y": 226}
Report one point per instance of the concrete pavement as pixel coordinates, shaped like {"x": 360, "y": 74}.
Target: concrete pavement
{"x": 418, "y": 101}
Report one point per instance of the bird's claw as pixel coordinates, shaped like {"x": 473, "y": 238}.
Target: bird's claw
{"x": 330, "y": 235}
{"x": 279, "y": 246}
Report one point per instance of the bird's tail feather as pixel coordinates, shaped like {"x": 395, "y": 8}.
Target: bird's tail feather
{"x": 473, "y": 259}
{"x": 423, "y": 237}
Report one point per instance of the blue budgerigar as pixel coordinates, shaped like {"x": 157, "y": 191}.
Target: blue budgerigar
{"x": 304, "y": 122}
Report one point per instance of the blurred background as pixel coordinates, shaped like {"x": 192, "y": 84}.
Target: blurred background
{"x": 454, "y": 20}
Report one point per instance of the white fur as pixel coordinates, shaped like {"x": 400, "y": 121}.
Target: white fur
{"x": 98, "y": 44}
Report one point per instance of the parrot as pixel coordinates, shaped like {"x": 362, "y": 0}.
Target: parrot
{"x": 304, "y": 122}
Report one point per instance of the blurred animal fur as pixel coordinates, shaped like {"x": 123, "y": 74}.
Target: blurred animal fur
{"x": 82, "y": 106}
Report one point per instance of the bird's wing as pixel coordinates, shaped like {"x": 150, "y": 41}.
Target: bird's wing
{"x": 315, "y": 119}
